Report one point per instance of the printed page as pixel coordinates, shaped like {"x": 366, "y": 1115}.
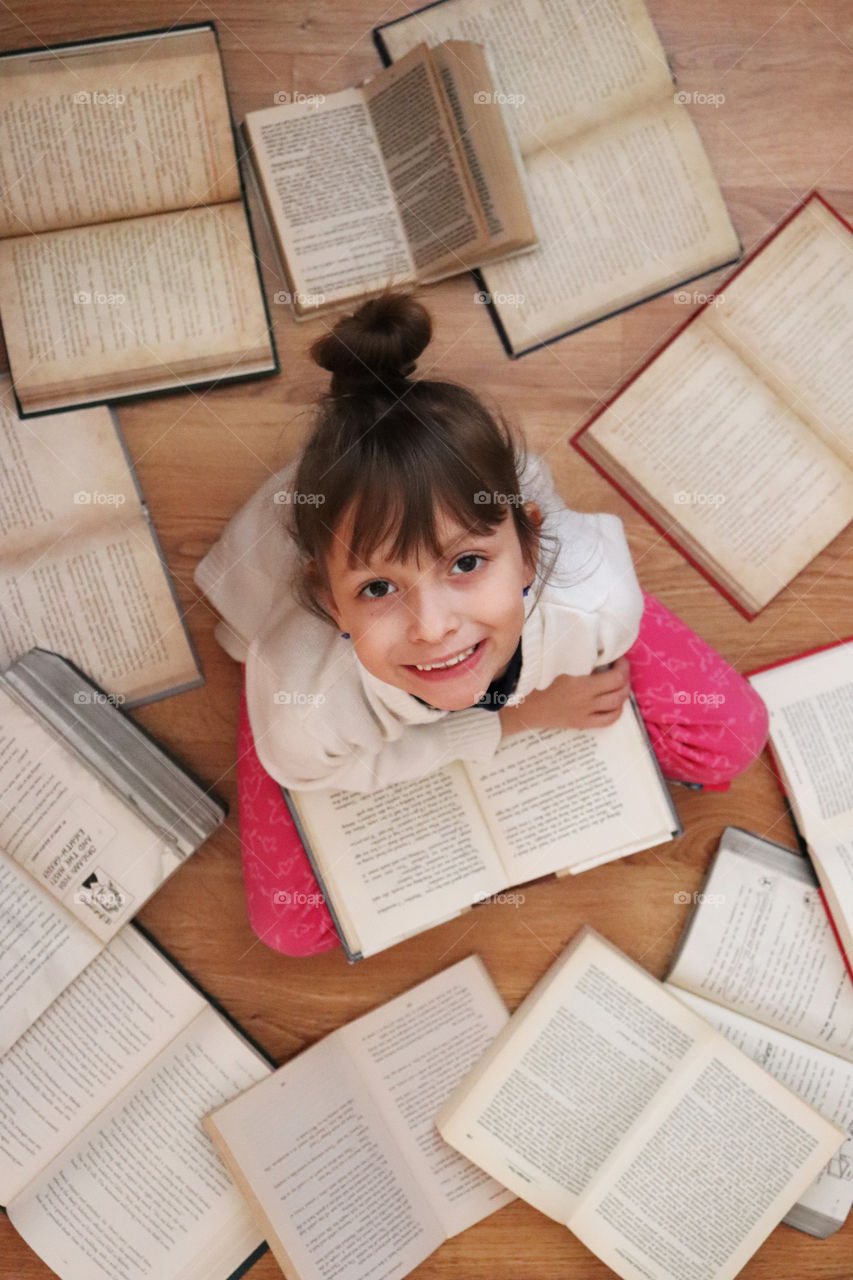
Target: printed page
{"x": 402, "y": 858}
{"x": 789, "y": 315}
{"x": 306, "y": 155}
{"x": 715, "y": 455}
{"x": 562, "y": 798}
{"x": 80, "y": 572}
{"x": 627, "y": 211}
{"x": 42, "y": 948}
{"x": 142, "y": 1192}
{"x": 565, "y": 68}
{"x": 760, "y": 942}
{"x": 145, "y": 303}
{"x": 706, "y": 1175}
{"x": 108, "y": 1024}
{"x": 585, "y": 1054}
{"x": 412, "y": 1052}
{"x": 312, "y": 1151}
{"x": 816, "y": 1077}
{"x": 105, "y": 131}
{"x": 427, "y": 177}
{"x": 75, "y": 836}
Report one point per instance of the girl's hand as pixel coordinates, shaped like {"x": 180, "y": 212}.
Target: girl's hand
{"x": 572, "y": 702}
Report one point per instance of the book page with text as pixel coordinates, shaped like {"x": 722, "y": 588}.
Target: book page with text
{"x": 335, "y": 1195}
{"x": 628, "y": 210}
{"x": 570, "y": 798}
{"x": 412, "y": 1052}
{"x": 141, "y": 1192}
{"x": 708, "y": 447}
{"x": 402, "y": 858}
{"x": 583, "y": 1056}
{"x": 108, "y": 1024}
{"x": 329, "y": 198}
{"x": 42, "y": 948}
{"x": 144, "y": 303}
{"x": 113, "y": 130}
{"x": 706, "y": 1174}
{"x": 759, "y": 942}
{"x": 73, "y": 834}
{"x": 565, "y": 67}
{"x": 789, "y": 315}
{"x": 817, "y": 1077}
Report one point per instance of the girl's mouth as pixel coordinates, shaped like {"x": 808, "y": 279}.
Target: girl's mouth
{"x": 455, "y": 664}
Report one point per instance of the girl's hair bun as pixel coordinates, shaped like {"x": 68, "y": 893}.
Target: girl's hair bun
{"x": 378, "y": 344}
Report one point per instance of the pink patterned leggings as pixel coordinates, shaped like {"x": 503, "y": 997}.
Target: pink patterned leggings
{"x": 706, "y": 725}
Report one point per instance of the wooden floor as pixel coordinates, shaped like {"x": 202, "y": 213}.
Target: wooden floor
{"x": 786, "y": 70}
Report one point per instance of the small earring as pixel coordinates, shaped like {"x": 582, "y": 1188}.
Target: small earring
{"x": 525, "y": 591}
{"x": 345, "y": 635}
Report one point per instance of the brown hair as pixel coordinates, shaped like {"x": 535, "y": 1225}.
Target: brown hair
{"x": 388, "y": 453}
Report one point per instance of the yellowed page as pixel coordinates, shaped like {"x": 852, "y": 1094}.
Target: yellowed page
{"x": 141, "y": 1191}
{"x": 65, "y": 826}
{"x": 411, "y": 1053}
{"x": 335, "y": 247}
{"x": 706, "y": 1174}
{"x": 629, "y": 209}
{"x": 585, "y": 1054}
{"x": 153, "y": 301}
{"x": 106, "y": 131}
{"x": 567, "y": 798}
{"x": 402, "y": 858}
{"x": 729, "y": 466}
{"x": 44, "y": 948}
{"x": 335, "y": 1195}
{"x": 789, "y": 315}
{"x": 563, "y": 68}
{"x": 109, "y": 1023}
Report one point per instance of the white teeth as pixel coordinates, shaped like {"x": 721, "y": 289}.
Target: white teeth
{"x": 442, "y": 666}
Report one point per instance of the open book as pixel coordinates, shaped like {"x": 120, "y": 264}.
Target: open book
{"x": 810, "y": 701}
{"x": 126, "y": 256}
{"x": 81, "y": 570}
{"x": 613, "y": 1108}
{"x": 622, "y": 194}
{"x": 95, "y": 816}
{"x": 337, "y": 1152}
{"x": 736, "y": 440}
{"x": 406, "y": 857}
{"x": 105, "y": 1169}
{"x": 759, "y": 960}
{"x": 408, "y": 179}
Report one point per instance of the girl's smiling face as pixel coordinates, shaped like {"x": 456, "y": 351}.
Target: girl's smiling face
{"x": 439, "y": 628}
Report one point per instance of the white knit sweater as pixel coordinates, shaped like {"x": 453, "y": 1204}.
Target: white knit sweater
{"x": 320, "y": 720}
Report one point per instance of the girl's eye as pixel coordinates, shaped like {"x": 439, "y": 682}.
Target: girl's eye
{"x": 377, "y": 589}
{"x": 468, "y": 563}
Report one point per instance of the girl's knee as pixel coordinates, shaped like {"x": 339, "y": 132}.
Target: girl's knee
{"x": 713, "y": 749}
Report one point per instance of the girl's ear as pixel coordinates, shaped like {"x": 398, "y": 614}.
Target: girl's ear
{"x": 534, "y": 515}
{"x": 319, "y": 589}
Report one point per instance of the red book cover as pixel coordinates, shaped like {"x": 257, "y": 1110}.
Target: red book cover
{"x": 638, "y": 506}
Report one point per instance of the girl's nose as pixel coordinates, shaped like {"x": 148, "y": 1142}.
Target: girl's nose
{"x": 433, "y": 614}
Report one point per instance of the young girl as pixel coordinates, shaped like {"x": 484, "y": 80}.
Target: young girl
{"x": 410, "y": 591}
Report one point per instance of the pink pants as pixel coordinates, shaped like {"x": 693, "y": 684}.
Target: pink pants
{"x": 705, "y": 722}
